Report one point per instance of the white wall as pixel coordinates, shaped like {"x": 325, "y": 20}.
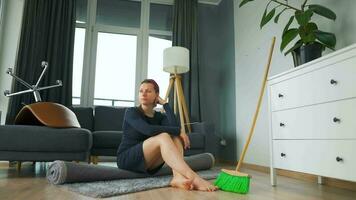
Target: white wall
{"x": 9, "y": 39}
{"x": 251, "y": 49}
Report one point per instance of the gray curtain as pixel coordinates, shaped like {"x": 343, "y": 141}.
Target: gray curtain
{"x": 185, "y": 34}
{"x": 47, "y": 34}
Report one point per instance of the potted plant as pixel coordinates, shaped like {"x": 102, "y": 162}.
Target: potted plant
{"x": 312, "y": 41}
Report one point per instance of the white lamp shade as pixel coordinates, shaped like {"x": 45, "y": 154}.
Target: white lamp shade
{"x": 176, "y": 60}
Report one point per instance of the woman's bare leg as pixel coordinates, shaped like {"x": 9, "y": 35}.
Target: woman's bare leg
{"x": 178, "y": 179}
{"x": 178, "y": 142}
{"x": 164, "y": 145}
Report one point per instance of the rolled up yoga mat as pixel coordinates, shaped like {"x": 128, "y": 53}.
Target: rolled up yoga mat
{"x": 60, "y": 172}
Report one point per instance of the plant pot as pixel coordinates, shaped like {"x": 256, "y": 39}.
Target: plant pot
{"x": 306, "y": 53}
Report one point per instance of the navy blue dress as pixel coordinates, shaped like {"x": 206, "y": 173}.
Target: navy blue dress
{"x": 138, "y": 127}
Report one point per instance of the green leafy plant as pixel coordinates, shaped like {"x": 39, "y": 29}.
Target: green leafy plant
{"x": 307, "y": 31}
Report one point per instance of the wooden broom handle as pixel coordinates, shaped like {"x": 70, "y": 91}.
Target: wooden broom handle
{"x": 242, "y": 156}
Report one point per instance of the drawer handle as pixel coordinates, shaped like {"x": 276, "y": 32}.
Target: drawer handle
{"x": 280, "y": 95}
{"x": 336, "y": 120}
{"x": 281, "y": 124}
{"x": 333, "y": 82}
{"x": 338, "y": 159}
{"x": 283, "y": 155}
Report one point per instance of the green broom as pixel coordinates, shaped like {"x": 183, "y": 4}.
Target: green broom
{"x": 234, "y": 180}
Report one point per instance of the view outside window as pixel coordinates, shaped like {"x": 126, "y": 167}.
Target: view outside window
{"x": 155, "y": 62}
{"x": 115, "y": 70}
{"x": 79, "y": 40}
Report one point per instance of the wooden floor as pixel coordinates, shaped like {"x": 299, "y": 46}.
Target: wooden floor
{"x": 31, "y": 184}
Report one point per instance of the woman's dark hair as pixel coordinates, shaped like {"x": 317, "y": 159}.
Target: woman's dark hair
{"x": 153, "y": 82}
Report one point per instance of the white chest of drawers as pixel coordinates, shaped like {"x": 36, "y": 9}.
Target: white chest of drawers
{"x": 312, "y": 117}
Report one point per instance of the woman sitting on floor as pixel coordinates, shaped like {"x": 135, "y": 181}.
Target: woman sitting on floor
{"x": 151, "y": 139}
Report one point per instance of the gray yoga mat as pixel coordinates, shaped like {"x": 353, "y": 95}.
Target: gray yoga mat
{"x": 60, "y": 172}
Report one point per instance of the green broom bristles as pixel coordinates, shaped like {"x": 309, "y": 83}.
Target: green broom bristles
{"x": 230, "y": 183}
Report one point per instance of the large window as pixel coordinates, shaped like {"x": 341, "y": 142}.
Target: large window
{"x": 115, "y": 70}
{"x": 119, "y": 43}
{"x": 160, "y": 37}
{"x": 156, "y": 46}
{"x": 78, "y": 63}
{"x": 79, "y": 45}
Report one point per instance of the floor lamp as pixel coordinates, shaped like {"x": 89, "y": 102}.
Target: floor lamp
{"x": 176, "y": 62}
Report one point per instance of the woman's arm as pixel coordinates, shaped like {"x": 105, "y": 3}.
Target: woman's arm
{"x": 134, "y": 119}
{"x": 169, "y": 119}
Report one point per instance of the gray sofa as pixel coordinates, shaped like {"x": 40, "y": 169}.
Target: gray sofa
{"x": 100, "y": 135}
{"x": 40, "y": 143}
{"x": 105, "y": 123}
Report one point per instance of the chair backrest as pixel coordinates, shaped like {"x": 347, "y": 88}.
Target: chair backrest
{"x": 85, "y": 117}
{"x": 107, "y": 118}
{"x": 47, "y": 114}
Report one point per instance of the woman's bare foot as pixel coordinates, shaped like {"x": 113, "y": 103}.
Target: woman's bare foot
{"x": 181, "y": 182}
{"x": 203, "y": 185}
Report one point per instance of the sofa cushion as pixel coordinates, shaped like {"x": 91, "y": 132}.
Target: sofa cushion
{"x": 107, "y": 139}
{"x": 103, "y": 152}
{"x": 44, "y": 139}
{"x": 197, "y": 140}
{"x": 84, "y": 116}
{"x": 108, "y": 118}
